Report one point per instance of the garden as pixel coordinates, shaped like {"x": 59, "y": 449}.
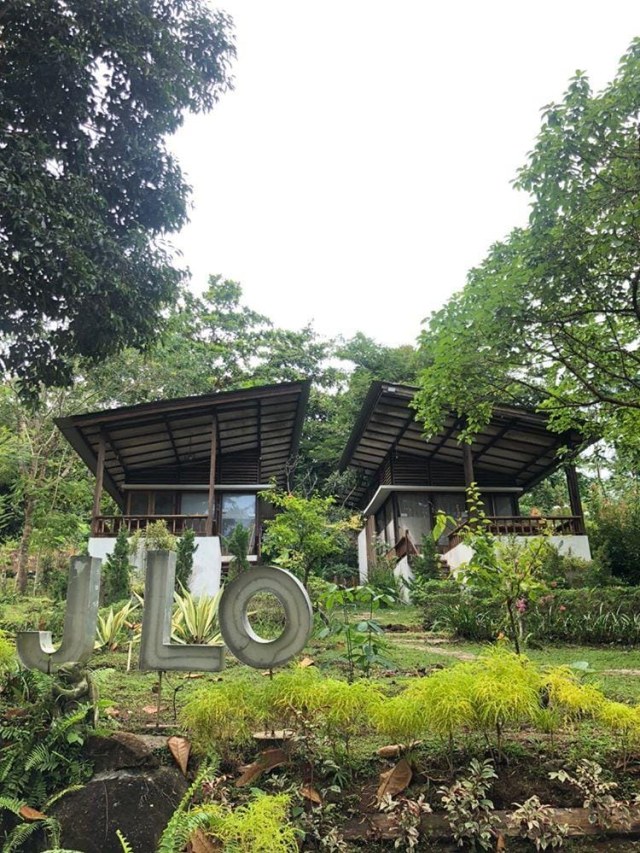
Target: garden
{"x": 498, "y": 711}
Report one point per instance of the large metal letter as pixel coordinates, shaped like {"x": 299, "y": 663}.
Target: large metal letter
{"x": 156, "y": 650}
{"x": 236, "y": 630}
{"x": 35, "y": 648}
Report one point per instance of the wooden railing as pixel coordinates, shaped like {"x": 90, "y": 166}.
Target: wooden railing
{"x": 526, "y": 525}
{"x": 111, "y": 525}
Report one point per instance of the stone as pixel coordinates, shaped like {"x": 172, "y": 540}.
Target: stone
{"x": 119, "y": 751}
{"x": 138, "y": 802}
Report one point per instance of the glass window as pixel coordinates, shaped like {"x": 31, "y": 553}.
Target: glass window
{"x": 454, "y": 505}
{"x": 165, "y": 503}
{"x": 414, "y": 515}
{"x": 194, "y": 503}
{"x": 237, "y": 509}
{"x": 139, "y": 503}
{"x": 503, "y": 504}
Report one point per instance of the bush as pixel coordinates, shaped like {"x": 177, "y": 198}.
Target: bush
{"x": 601, "y": 615}
{"x": 116, "y": 571}
{"x": 185, "y": 550}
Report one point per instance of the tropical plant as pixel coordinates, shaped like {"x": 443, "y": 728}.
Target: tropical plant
{"x": 603, "y": 808}
{"x": 222, "y": 717}
{"x": 406, "y": 814}
{"x": 469, "y": 811}
{"x": 195, "y": 618}
{"x": 538, "y": 823}
{"x": 511, "y": 572}
{"x": 303, "y": 536}
{"x": 113, "y": 625}
{"x": 364, "y": 640}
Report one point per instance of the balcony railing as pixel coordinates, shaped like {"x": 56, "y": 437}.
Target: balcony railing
{"x": 111, "y": 525}
{"x": 526, "y": 525}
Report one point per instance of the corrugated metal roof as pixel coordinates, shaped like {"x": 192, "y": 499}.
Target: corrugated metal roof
{"x": 266, "y": 419}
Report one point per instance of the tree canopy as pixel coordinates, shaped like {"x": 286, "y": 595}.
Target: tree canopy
{"x": 89, "y": 91}
{"x": 551, "y": 317}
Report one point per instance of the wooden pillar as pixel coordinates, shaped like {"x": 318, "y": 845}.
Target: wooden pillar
{"x": 97, "y": 492}
{"x": 575, "y": 501}
{"x": 467, "y": 461}
{"x": 370, "y": 538}
{"x": 208, "y": 527}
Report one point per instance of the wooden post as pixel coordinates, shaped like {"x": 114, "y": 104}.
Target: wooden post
{"x": 97, "y": 492}
{"x": 574, "y": 496}
{"x": 208, "y": 527}
{"x": 467, "y": 461}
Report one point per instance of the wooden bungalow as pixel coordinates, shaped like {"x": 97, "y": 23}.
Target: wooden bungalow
{"x": 406, "y": 478}
{"x": 195, "y": 462}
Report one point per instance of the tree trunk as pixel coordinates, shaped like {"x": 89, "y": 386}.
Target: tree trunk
{"x": 25, "y": 541}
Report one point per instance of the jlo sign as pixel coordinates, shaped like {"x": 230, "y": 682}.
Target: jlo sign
{"x": 157, "y": 652}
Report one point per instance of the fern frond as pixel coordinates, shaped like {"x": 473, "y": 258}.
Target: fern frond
{"x": 126, "y": 847}
{"x": 11, "y": 804}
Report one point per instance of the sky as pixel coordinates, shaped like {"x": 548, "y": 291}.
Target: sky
{"x": 363, "y": 163}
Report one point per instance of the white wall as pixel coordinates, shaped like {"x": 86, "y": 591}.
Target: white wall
{"x": 207, "y": 562}
{"x": 403, "y": 571}
{"x": 575, "y": 546}
{"x": 363, "y": 565}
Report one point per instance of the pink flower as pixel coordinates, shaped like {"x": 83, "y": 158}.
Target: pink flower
{"x": 521, "y": 605}
{"x": 561, "y": 608}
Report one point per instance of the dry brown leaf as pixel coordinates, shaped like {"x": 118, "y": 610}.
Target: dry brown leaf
{"x": 31, "y": 814}
{"x": 194, "y": 675}
{"x": 267, "y": 760}
{"x": 310, "y": 793}
{"x": 200, "y": 843}
{"x": 111, "y": 712}
{"x": 391, "y": 751}
{"x": 501, "y": 844}
{"x": 180, "y": 748}
{"x": 394, "y": 781}
{"x": 153, "y": 709}
{"x": 305, "y": 662}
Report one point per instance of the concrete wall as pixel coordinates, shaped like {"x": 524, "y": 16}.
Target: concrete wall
{"x": 574, "y": 546}
{"x": 403, "y": 572}
{"x": 363, "y": 566}
{"x": 207, "y": 562}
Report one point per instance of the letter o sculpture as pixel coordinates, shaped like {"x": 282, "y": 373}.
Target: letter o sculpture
{"x": 237, "y": 633}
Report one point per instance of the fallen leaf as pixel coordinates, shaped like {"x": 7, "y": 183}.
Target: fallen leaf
{"x": 180, "y": 748}
{"x": 500, "y": 843}
{"x": 395, "y": 780}
{"x": 112, "y": 712}
{"x": 310, "y": 793}
{"x": 306, "y": 662}
{"x": 391, "y": 751}
{"x": 31, "y": 814}
{"x": 267, "y": 760}
{"x": 194, "y": 675}
{"x": 153, "y": 709}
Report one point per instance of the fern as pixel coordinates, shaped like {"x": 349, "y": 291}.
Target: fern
{"x": 173, "y": 838}
{"x": 126, "y": 847}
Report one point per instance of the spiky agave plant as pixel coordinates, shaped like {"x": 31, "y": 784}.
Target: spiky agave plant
{"x": 195, "y": 618}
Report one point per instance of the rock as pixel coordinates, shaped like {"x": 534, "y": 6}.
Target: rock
{"x": 119, "y": 751}
{"x": 138, "y": 802}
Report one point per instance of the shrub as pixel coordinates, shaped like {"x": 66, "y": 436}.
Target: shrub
{"x": 185, "y": 550}
{"x": 222, "y": 717}
{"x": 237, "y": 545}
{"x": 116, "y": 571}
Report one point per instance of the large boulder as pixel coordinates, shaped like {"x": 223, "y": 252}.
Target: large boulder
{"x": 137, "y": 801}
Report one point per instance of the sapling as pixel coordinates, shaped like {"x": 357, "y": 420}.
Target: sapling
{"x": 538, "y": 823}
{"x": 469, "y": 812}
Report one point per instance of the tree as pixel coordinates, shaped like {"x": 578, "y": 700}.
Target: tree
{"x": 551, "y": 318}
{"x": 89, "y": 91}
{"x": 303, "y": 536}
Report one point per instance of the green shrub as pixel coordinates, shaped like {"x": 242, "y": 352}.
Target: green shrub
{"x": 185, "y": 550}
{"x": 116, "y": 571}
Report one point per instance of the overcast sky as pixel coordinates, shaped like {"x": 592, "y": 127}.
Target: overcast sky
{"x": 363, "y": 163}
